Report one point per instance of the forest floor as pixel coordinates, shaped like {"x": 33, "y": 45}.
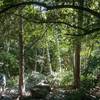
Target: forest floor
{"x": 56, "y": 94}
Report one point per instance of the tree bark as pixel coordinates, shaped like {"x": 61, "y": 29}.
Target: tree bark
{"x": 77, "y": 66}
{"x": 48, "y": 59}
{"x": 57, "y": 50}
{"x": 35, "y": 66}
{"x": 21, "y": 59}
{"x": 78, "y": 48}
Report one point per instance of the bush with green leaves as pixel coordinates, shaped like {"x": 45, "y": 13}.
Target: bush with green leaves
{"x": 93, "y": 65}
{"x": 67, "y": 78}
{"x": 9, "y": 64}
{"x": 60, "y": 78}
{"x": 12, "y": 82}
{"x": 88, "y": 82}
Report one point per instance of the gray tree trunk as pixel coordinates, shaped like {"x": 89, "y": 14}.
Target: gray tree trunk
{"x": 21, "y": 58}
{"x": 57, "y": 49}
{"x": 35, "y": 66}
{"x": 48, "y": 59}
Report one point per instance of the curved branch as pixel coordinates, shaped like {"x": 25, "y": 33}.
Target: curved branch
{"x": 93, "y": 25}
{"x": 93, "y": 30}
{"x": 46, "y": 21}
{"x": 61, "y": 22}
{"x": 10, "y": 6}
{"x": 97, "y": 14}
{"x": 88, "y": 32}
{"x": 85, "y": 31}
{"x": 49, "y": 7}
{"x": 53, "y": 22}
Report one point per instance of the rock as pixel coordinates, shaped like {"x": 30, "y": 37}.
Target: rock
{"x": 40, "y": 91}
{"x": 6, "y": 98}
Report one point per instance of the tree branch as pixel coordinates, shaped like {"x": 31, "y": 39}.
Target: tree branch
{"x": 97, "y": 14}
{"x": 49, "y": 7}
{"x": 85, "y": 31}
{"x": 88, "y": 32}
{"x": 48, "y": 22}
{"x": 10, "y": 6}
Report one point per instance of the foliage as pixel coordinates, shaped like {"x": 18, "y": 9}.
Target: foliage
{"x": 66, "y": 78}
{"x": 61, "y": 79}
{"x": 34, "y": 79}
{"x": 12, "y": 82}
{"x": 49, "y": 40}
{"x": 9, "y": 63}
{"x": 93, "y": 64}
{"x": 88, "y": 82}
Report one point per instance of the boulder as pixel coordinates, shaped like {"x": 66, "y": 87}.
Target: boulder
{"x": 40, "y": 91}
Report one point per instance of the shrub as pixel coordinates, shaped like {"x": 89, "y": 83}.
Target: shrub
{"x": 88, "y": 82}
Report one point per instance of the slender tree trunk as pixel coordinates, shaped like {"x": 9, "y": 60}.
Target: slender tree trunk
{"x": 35, "y": 68}
{"x": 77, "y": 66}
{"x": 7, "y": 47}
{"x": 58, "y": 50}
{"x": 48, "y": 59}
{"x": 21, "y": 58}
{"x": 78, "y": 49}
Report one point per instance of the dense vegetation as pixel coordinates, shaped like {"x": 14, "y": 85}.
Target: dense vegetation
{"x": 57, "y": 41}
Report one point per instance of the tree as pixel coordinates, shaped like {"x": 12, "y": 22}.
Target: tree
{"x": 78, "y": 49}
{"x": 21, "y": 57}
{"x": 64, "y": 22}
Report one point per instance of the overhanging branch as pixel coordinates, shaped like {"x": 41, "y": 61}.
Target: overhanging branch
{"x": 10, "y": 6}
{"x": 85, "y": 31}
{"x": 48, "y": 22}
{"x": 88, "y": 32}
{"x": 49, "y": 7}
{"x": 97, "y": 14}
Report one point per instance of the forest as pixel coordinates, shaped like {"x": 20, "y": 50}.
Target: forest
{"x": 49, "y": 49}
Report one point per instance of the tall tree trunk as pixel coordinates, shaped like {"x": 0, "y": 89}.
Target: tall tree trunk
{"x": 78, "y": 49}
{"x": 21, "y": 58}
{"x": 77, "y": 66}
{"x": 48, "y": 59}
{"x": 57, "y": 49}
{"x": 35, "y": 66}
{"x": 7, "y": 48}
